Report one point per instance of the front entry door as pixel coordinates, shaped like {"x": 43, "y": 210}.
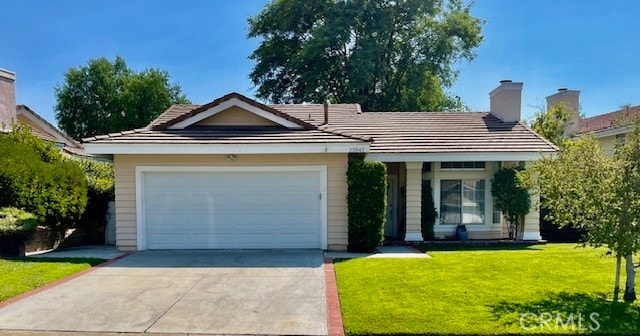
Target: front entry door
{"x": 390, "y": 227}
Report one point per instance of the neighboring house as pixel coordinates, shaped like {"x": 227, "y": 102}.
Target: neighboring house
{"x": 609, "y": 128}
{"x": 48, "y": 132}
{"x": 11, "y": 113}
{"x": 235, "y": 173}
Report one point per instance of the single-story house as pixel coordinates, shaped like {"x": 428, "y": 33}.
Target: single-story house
{"x": 235, "y": 173}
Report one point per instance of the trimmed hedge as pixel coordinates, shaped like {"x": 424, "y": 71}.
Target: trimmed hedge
{"x": 54, "y": 191}
{"x": 367, "y": 203}
{"x": 16, "y": 228}
{"x": 429, "y": 212}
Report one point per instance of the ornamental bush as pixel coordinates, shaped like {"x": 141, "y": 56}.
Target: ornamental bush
{"x": 55, "y": 191}
{"x": 367, "y": 204}
{"x": 510, "y": 197}
{"x": 16, "y": 228}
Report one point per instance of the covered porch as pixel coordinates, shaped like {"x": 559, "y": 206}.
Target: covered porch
{"x": 461, "y": 193}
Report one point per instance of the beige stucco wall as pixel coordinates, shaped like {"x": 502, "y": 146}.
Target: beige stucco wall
{"x": 125, "y": 188}
{"x": 236, "y": 116}
{"x": 608, "y": 144}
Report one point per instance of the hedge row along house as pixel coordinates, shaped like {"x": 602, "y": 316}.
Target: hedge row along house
{"x": 236, "y": 173}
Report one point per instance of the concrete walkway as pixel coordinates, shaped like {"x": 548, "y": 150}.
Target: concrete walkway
{"x": 95, "y": 251}
{"x": 185, "y": 292}
{"x": 401, "y": 252}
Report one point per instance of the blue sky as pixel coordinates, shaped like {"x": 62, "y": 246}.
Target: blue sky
{"x": 589, "y": 45}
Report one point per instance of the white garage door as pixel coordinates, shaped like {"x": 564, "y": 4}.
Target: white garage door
{"x": 199, "y": 210}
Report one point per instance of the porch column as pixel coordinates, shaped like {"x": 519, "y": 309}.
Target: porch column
{"x": 414, "y": 201}
{"x": 532, "y": 219}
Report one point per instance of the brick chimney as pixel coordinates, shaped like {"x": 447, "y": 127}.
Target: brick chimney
{"x": 7, "y": 99}
{"x": 506, "y": 100}
{"x": 570, "y": 99}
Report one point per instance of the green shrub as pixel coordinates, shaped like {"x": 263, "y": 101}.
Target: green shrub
{"x": 429, "y": 212}
{"x": 511, "y": 198}
{"x": 367, "y": 204}
{"x": 21, "y": 133}
{"x": 16, "y": 228}
{"x": 55, "y": 192}
{"x": 100, "y": 184}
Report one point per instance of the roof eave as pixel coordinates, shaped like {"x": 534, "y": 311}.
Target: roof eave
{"x": 459, "y": 156}
{"x": 108, "y": 147}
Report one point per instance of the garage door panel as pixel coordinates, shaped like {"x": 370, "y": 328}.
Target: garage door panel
{"x": 168, "y": 240}
{"x": 232, "y": 209}
{"x": 166, "y": 200}
{"x": 165, "y": 220}
{"x": 206, "y": 240}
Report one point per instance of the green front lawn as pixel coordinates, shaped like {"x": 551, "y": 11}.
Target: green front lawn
{"x": 24, "y": 274}
{"x": 485, "y": 291}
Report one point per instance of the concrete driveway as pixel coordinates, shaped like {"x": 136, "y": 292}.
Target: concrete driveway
{"x": 212, "y": 292}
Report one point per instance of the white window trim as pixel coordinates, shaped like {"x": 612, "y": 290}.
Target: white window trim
{"x": 438, "y": 175}
{"x": 141, "y": 230}
{"x": 239, "y": 103}
{"x": 462, "y": 169}
{"x": 486, "y": 221}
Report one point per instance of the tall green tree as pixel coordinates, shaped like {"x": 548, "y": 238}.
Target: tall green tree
{"x": 104, "y": 97}
{"x": 386, "y": 55}
{"x": 554, "y": 123}
{"x": 599, "y": 194}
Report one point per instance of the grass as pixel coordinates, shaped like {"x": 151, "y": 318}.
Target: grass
{"x": 476, "y": 290}
{"x": 24, "y": 274}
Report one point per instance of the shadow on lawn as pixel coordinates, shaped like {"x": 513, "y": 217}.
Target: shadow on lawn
{"x": 563, "y": 310}
{"x": 462, "y": 247}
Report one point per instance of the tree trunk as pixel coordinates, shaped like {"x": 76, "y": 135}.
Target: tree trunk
{"x": 630, "y": 284}
{"x": 616, "y": 288}
{"x": 519, "y": 227}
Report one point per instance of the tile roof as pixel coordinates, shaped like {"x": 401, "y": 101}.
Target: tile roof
{"x": 171, "y": 113}
{"x": 611, "y": 120}
{"x": 424, "y": 132}
{"x": 440, "y": 132}
{"x": 172, "y": 117}
{"x": 391, "y": 132}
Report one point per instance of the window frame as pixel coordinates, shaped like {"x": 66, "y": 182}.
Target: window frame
{"x": 483, "y": 206}
{"x": 475, "y": 166}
